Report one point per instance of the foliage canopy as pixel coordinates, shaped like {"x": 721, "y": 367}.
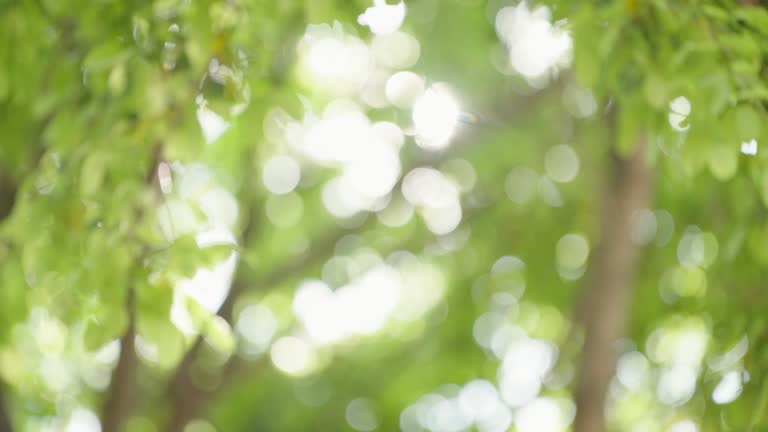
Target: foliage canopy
{"x": 331, "y": 215}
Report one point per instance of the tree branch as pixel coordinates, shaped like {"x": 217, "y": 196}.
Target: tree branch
{"x": 120, "y": 402}
{"x": 7, "y": 196}
{"x": 188, "y": 398}
{"x": 608, "y": 292}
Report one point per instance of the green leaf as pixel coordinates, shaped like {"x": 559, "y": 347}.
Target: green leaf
{"x": 200, "y": 315}
{"x": 219, "y": 335}
{"x": 748, "y": 122}
{"x": 761, "y": 405}
{"x": 763, "y": 186}
{"x": 586, "y": 66}
{"x": 184, "y": 257}
{"x": 92, "y": 174}
{"x": 108, "y": 327}
{"x": 715, "y": 12}
{"x": 758, "y": 239}
{"x": 756, "y": 17}
{"x": 723, "y": 162}
{"x": 155, "y": 297}
{"x": 740, "y": 44}
{"x": 164, "y": 343}
{"x": 656, "y": 91}
{"x": 106, "y": 55}
{"x": 215, "y": 254}
{"x": 319, "y": 11}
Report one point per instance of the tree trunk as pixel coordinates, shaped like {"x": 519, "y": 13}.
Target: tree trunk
{"x": 608, "y": 292}
{"x": 5, "y": 417}
{"x": 7, "y": 199}
{"x": 186, "y": 396}
{"x": 119, "y": 404}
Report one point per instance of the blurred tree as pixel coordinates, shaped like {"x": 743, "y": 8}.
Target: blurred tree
{"x": 350, "y": 215}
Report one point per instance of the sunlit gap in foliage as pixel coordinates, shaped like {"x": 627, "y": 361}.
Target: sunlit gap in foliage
{"x": 749, "y": 148}
{"x": 359, "y": 295}
{"x": 536, "y": 48}
{"x": 214, "y": 124}
{"x": 435, "y": 116}
{"x": 196, "y": 205}
{"x": 696, "y": 251}
{"x": 383, "y": 18}
{"x": 361, "y": 416}
{"x": 665, "y": 376}
{"x": 679, "y": 110}
{"x": 528, "y": 389}
{"x": 55, "y": 361}
{"x": 79, "y": 420}
{"x": 561, "y": 166}
{"x": 355, "y": 75}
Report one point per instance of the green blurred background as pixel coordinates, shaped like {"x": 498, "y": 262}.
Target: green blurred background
{"x": 432, "y": 215}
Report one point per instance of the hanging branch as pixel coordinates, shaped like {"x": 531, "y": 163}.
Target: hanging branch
{"x": 609, "y": 289}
